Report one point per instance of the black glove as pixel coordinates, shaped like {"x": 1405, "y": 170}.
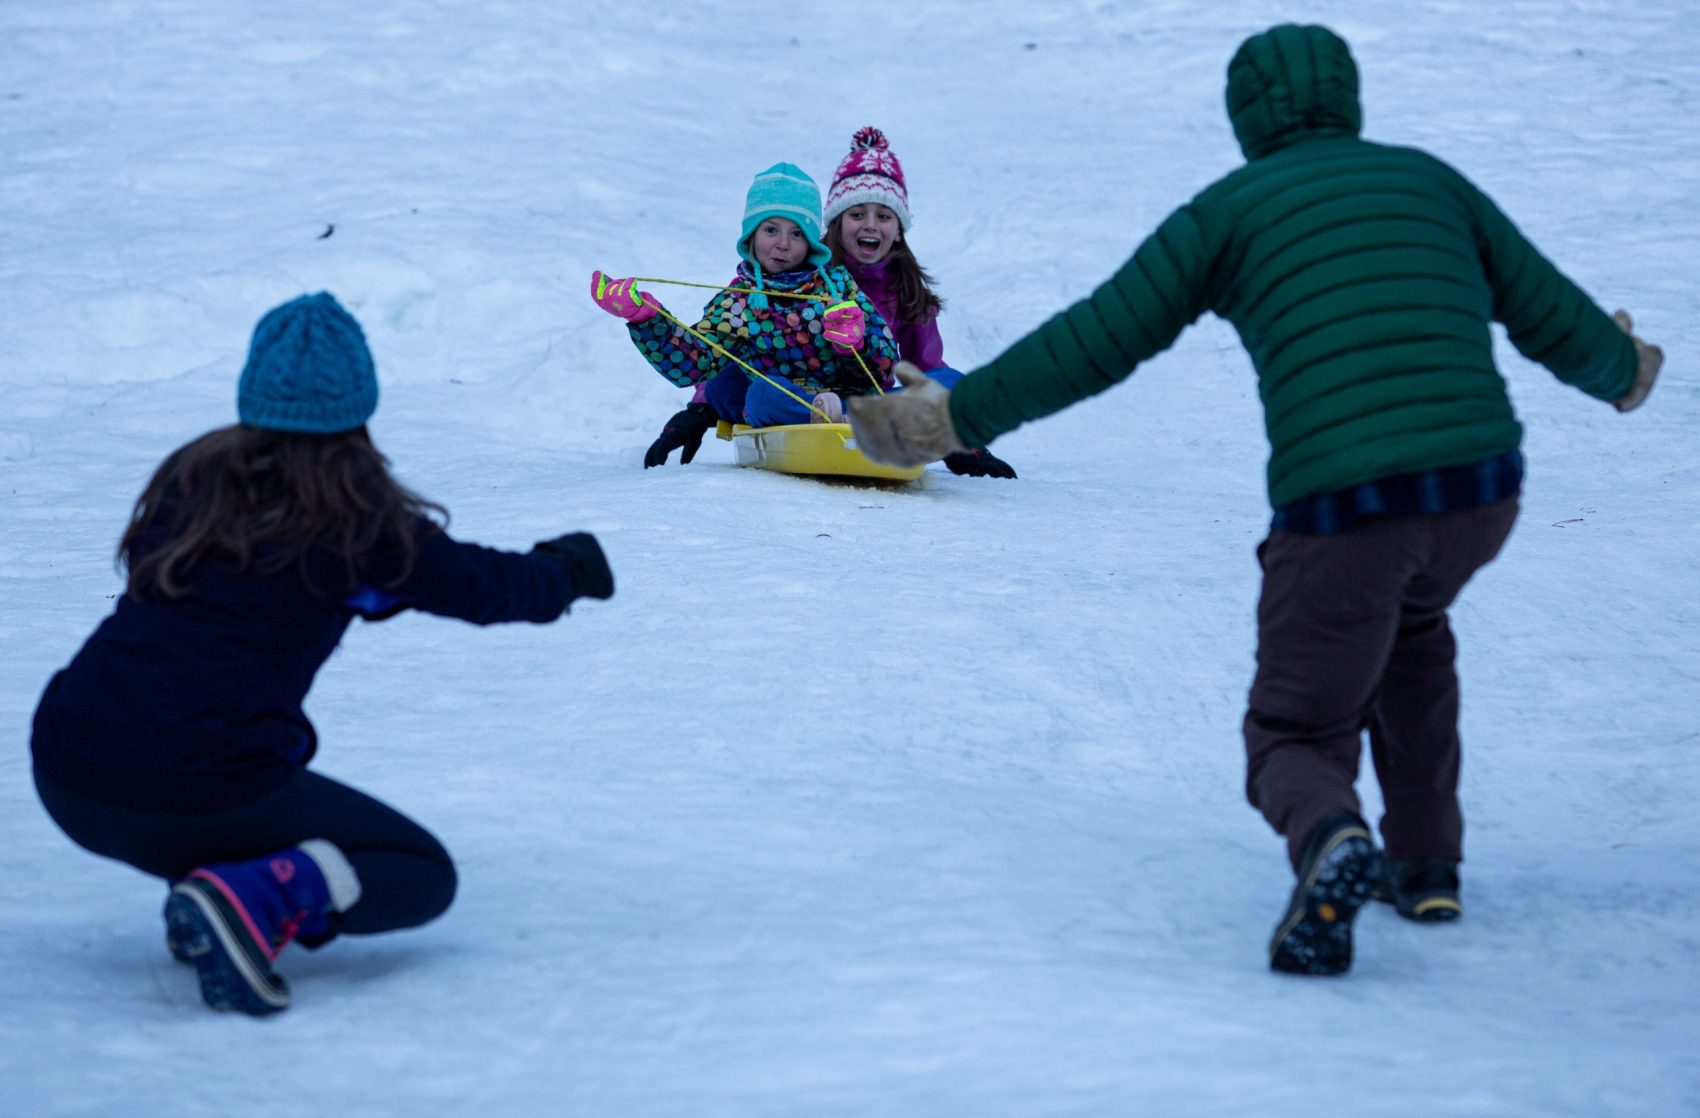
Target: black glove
{"x": 581, "y": 557}
{"x": 684, "y": 430}
{"x": 978, "y": 463}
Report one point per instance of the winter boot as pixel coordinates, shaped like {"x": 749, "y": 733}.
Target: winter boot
{"x": 683, "y": 432}
{"x": 230, "y": 920}
{"x": 178, "y": 951}
{"x": 1422, "y": 889}
{"x": 1337, "y": 873}
{"x": 978, "y": 463}
{"x": 829, "y": 408}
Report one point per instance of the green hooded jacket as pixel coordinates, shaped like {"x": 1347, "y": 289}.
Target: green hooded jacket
{"x": 1362, "y": 280}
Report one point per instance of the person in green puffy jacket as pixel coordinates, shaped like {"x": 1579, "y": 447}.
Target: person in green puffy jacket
{"x": 1363, "y": 280}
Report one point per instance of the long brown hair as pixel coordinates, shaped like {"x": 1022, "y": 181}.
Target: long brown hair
{"x": 260, "y": 500}
{"x": 916, "y": 300}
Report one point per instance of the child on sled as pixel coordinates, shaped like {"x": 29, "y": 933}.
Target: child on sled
{"x": 797, "y": 320}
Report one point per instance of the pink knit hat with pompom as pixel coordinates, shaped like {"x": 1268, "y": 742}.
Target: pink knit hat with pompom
{"x": 870, "y": 173}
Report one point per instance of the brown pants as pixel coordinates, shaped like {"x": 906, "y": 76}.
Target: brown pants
{"x": 1352, "y": 635}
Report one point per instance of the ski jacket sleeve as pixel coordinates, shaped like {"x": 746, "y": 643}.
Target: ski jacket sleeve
{"x": 879, "y": 347}
{"x": 1548, "y": 317}
{"x": 465, "y": 581}
{"x": 1137, "y": 313}
{"x": 677, "y": 354}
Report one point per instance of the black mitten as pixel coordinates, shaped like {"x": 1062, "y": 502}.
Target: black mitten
{"x": 684, "y": 430}
{"x": 581, "y": 557}
{"x": 978, "y": 463}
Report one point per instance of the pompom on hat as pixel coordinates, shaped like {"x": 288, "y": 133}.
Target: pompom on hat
{"x": 869, "y": 174}
{"x": 308, "y": 370}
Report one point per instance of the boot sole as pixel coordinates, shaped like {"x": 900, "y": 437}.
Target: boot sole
{"x": 200, "y": 934}
{"x": 1315, "y": 937}
{"x": 178, "y": 951}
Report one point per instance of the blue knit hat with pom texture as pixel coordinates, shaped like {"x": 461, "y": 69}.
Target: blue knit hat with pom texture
{"x": 783, "y": 190}
{"x": 308, "y": 370}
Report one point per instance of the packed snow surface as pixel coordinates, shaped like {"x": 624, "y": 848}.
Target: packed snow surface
{"x": 853, "y": 801}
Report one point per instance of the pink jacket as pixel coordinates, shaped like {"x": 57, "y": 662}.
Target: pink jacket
{"x": 917, "y": 342}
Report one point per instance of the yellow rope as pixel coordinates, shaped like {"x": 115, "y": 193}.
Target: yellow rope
{"x": 748, "y": 290}
{"x": 734, "y": 358}
{"x": 878, "y": 387}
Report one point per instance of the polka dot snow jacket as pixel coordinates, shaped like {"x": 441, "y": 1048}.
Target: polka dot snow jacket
{"x": 781, "y": 338}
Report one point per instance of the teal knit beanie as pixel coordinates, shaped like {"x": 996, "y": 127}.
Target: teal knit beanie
{"x": 308, "y": 370}
{"x": 783, "y": 190}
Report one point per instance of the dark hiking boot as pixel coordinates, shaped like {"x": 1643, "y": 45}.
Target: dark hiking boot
{"x": 978, "y": 463}
{"x": 1422, "y": 889}
{"x": 1337, "y": 873}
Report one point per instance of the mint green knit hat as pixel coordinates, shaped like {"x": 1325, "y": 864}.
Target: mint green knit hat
{"x": 783, "y": 190}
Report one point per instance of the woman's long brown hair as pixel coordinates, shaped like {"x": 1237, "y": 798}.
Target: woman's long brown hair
{"x": 916, "y": 300}
{"x": 261, "y": 500}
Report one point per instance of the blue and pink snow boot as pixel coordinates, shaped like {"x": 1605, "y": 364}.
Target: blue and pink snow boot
{"x": 230, "y": 920}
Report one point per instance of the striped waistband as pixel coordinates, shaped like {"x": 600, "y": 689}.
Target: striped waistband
{"x": 1475, "y": 485}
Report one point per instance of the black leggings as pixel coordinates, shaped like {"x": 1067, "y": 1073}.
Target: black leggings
{"x": 406, "y": 877}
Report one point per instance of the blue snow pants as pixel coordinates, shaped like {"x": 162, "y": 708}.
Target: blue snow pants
{"x": 725, "y": 392}
{"x": 767, "y": 406}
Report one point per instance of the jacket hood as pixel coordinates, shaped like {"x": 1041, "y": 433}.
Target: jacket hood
{"x": 1292, "y": 83}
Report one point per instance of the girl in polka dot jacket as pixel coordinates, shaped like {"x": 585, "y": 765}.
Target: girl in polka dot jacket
{"x": 812, "y": 353}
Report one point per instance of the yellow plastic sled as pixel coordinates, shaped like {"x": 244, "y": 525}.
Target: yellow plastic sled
{"x": 815, "y": 449}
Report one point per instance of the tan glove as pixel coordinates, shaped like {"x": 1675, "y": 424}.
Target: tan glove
{"x": 908, "y": 428}
{"x": 1649, "y": 359}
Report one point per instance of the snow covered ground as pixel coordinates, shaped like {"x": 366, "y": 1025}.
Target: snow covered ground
{"x": 853, "y": 801}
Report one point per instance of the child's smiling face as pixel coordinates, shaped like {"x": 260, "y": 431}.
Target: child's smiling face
{"x": 778, "y": 245}
{"x": 867, "y": 233}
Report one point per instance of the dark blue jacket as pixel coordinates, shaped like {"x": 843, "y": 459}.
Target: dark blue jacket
{"x": 194, "y": 704}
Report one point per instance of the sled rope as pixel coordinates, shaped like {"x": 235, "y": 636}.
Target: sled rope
{"x": 875, "y": 381}
{"x": 736, "y": 360}
{"x": 745, "y": 290}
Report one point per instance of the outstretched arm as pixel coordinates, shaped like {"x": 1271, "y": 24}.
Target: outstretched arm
{"x": 1085, "y": 349}
{"x": 1135, "y": 314}
{"x": 667, "y": 346}
{"x": 1548, "y": 317}
{"x": 484, "y": 585}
